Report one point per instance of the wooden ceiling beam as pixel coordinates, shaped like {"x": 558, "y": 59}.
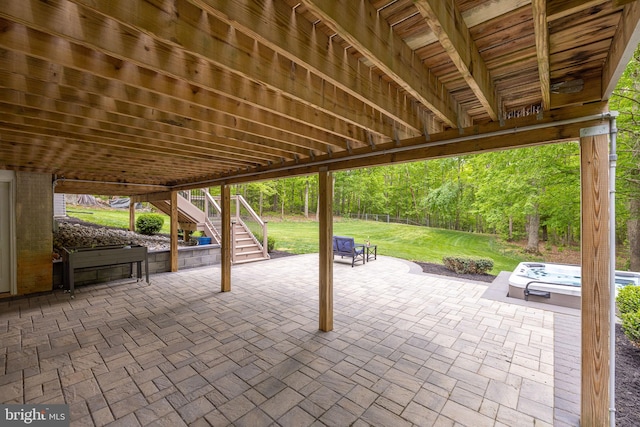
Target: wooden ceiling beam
{"x": 448, "y": 25}
{"x": 87, "y": 85}
{"x": 361, "y": 27}
{"x": 625, "y": 42}
{"x": 32, "y": 147}
{"x": 542, "y": 49}
{"x": 556, "y": 125}
{"x": 35, "y": 43}
{"x": 278, "y": 28}
{"x": 557, "y": 9}
{"x": 216, "y": 43}
{"x": 123, "y": 132}
{"x": 112, "y": 141}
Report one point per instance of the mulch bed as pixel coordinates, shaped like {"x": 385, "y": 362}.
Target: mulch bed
{"x": 627, "y": 381}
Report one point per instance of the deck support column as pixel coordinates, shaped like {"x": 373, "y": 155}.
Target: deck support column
{"x": 174, "y": 231}
{"x": 132, "y": 214}
{"x": 325, "y": 210}
{"x": 225, "y": 250}
{"x": 596, "y": 293}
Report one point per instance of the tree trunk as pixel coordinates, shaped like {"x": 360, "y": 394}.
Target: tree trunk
{"x": 510, "y": 227}
{"x": 534, "y": 229}
{"x": 260, "y": 204}
{"x": 633, "y": 233}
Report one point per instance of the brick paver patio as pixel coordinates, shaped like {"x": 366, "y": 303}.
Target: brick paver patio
{"x": 407, "y": 349}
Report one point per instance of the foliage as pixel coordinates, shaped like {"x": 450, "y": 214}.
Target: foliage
{"x": 271, "y": 243}
{"x": 631, "y": 326}
{"x": 628, "y": 301}
{"x": 149, "y": 223}
{"x": 109, "y": 217}
{"x": 465, "y": 265}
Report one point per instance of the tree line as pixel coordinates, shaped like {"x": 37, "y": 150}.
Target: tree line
{"x": 529, "y": 193}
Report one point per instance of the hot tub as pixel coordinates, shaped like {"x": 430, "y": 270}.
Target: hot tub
{"x": 556, "y": 283}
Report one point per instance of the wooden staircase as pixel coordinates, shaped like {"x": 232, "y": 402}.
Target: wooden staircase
{"x": 199, "y": 211}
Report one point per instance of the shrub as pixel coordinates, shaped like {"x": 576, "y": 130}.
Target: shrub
{"x": 628, "y": 299}
{"x": 149, "y": 223}
{"x": 271, "y": 243}
{"x": 628, "y": 302}
{"x": 465, "y": 265}
{"x": 631, "y": 325}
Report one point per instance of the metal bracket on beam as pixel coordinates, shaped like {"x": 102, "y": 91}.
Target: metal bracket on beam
{"x": 425, "y": 127}
{"x": 312, "y": 155}
{"x": 296, "y": 158}
{"x": 594, "y": 130}
{"x": 349, "y": 147}
{"x": 371, "y": 143}
{"x": 396, "y": 137}
{"x": 330, "y": 152}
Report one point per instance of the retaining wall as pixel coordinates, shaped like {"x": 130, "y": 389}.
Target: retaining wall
{"x": 159, "y": 262}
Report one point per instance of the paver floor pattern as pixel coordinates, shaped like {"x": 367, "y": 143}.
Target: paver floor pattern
{"x": 406, "y": 349}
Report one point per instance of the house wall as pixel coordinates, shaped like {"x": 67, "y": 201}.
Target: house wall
{"x": 34, "y": 237}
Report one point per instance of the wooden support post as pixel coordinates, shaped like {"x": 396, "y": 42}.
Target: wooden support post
{"x": 225, "y": 200}
{"x": 596, "y": 293}
{"x": 325, "y": 204}
{"x": 174, "y": 231}
{"x": 132, "y": 214}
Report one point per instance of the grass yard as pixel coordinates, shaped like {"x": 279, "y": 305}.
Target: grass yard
{"x": 109, "y": 217}
{"x": 397, "y": 240}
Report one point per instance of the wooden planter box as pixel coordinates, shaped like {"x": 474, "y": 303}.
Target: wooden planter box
{"x": 103, "y": 256}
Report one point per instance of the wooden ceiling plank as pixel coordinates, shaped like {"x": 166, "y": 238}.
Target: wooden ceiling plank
{"x": 187, "y": 34}
{"x": 625, "y": 41}
{"x": 448, "y": 25}
{"x": 94, "y": 165}
{"x": 542, "y": 49}
{"x": 40, "y": 45}
{"x": 372, "y": 36}
{"x": 122, "y": 132}
{"x": 48, "y": 47}
{"x": 69, "y": 131}
{"x": 168, "y": 60}
{"x": 277, "y": 27}
{"x": 557, "y": 9}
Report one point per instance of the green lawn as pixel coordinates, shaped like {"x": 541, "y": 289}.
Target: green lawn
{"x": 109, "y": 217}
{"x": 398, "y": 240}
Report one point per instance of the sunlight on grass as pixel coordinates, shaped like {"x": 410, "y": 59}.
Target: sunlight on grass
{"x": 398, "y": 240}
{"x": 110, "y": 217}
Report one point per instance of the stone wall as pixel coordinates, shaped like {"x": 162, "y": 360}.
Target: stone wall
{"x": 159, "y": 262}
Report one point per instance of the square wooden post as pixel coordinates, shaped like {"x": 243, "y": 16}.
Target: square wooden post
{"x": 132, "y": 214}
{"x": 326, "y": 250}
{"x": 173, "y": 217}
{"x": 174, "y": 231}
{"x": 594, "y": 156}
{"x": 225, "y": 250}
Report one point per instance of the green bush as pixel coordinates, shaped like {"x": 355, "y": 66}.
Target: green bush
{"x": 465, "y": 265}
{"x": 149, "y": 223}
{"x": 628, "y": 299}
{"x": 271, "y": 243}
{"x": 628, "y": 302}
{"x": 631, "y": 325}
